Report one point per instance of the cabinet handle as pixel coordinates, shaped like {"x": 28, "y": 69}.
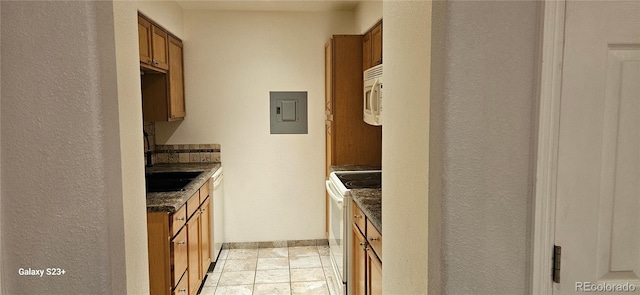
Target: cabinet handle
{"x": 182, "y": 243}
{"x": 357, "y": 216}
{"x": 181, "y": 219}
{"x": 373, "y": 239}
{"x": 183, "y": 290}
{"x": 203, "y": 209}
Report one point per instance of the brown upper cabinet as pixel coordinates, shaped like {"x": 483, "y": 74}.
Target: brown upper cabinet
{"x": 161, "y": 64}
{"x": 372, "y": 47}
{"x": 349, "y": 140}
{"x": 153, "y": 43}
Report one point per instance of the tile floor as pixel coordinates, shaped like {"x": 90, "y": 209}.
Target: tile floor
{"x": 291, "y": 270}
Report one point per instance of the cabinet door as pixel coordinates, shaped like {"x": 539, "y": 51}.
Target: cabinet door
{"x": 144, "y": 40}
{"x": 193, "y": 240}
{"x": 376, "y": 45}
{"x": 205, "y": 230}
{"x": 159, "y": 41}
{"x": 329, "y": 145}
{"x": 366, "y": 51}
{"x": 179, "y": 255}
{"x": 182, "y": 287}
{"x": 358, "y": 247}
{"x": 328, "y": 80}
{"x": 176, "y": 80}
{"x": 374, "y": 274}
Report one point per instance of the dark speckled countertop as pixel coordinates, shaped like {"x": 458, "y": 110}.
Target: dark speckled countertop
{"x": 172, "y": 201}
{"x": 353, "y": 168}
{"x": 370, "y": 202}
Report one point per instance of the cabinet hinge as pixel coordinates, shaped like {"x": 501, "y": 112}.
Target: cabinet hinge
{"x": 555, "y": 269}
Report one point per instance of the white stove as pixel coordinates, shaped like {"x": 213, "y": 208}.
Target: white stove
{"x": 338, "y": 186}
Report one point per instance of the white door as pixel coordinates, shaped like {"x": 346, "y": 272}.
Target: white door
{"x": 598, "y": 184}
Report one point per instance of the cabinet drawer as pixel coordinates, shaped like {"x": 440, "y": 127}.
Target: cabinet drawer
{"x": 178, "y": 219}
{"x": 182, "y": 287}
{"x": 374, "y": 238}
{"x": 179, "y": 260}
{"x": 193, "y": 203}
{"x": 204, "y": 190}
{"x": 358, "y": 217}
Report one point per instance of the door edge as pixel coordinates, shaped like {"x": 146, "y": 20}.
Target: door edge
{"x": 550, "y": 86}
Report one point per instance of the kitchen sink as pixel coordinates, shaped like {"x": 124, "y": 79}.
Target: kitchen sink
{"x": 169, "y": 181}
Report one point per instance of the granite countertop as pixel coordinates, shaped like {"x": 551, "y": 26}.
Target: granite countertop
{"x": 353, "y": 168}
{"x": 172, "y": 201}
{"x": 370, "y": 202}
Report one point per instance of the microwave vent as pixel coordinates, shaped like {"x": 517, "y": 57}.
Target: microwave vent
{"x": 373, "y": 73}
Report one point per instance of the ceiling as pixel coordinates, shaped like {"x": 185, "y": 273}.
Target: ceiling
{"x": 270, "y": 5}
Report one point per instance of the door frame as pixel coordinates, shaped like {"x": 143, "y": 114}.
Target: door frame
{"x": 550, "y": 89}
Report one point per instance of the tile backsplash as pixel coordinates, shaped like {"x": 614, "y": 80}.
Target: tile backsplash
{"x": 180, "y": 153}
{"x": 187, "y": 153}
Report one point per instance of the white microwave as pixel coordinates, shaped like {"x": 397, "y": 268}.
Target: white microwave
{"x": 372, "y": 106}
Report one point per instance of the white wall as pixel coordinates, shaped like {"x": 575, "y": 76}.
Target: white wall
{"x": 367, "y": 14}
{"x": 166, "y": 13}
{"x": 132, "y": 159}
{"x": 61, "y": 201}
{"x": 273, "y": 183}
{"x": 405, "y": 146}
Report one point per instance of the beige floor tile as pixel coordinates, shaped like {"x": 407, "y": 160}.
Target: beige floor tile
{"x": 234, "y": 290}
{"x": 307, "y": 274}
{"x": 208, "y": 291}
{"x": 236, "y": 278}
{"x": 326, "y": 261}
{"x": 272, "y": 276}
{"x": 273, "y": 253}
{"x": 240, "y": 264}
{"x": 212, "y": 279}
{"x": 323, "y": 250}
{"x": 273, "y": 263}
{"x": 223, "y": 254}
{"x": 305, "y": 262}
{"x": 219, "y": 265}
{"x": 303, "y": 251}
{"x": 242, "y": 253}
{"x": 308, "y": 288}
{"x": 272, "y": 289}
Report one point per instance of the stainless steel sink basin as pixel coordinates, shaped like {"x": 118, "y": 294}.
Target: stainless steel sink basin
{"x": 169, "y": 181}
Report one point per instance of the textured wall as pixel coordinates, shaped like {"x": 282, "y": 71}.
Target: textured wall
{"x": 168, "y": 14}
{"x": 367, "y": 14}
{"x": 274, "y": 184}
{"x": 61, "y": 174}
{"x": 405, "y": 146}
{"x": 132, "y": 158}
{"x": 487, "y": 103}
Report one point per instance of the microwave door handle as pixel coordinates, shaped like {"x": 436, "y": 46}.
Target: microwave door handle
{"x": 378, "y": 100}
{"x": 373, "y": 89}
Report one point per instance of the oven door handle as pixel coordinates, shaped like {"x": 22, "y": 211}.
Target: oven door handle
{"x": 333, "y": 194}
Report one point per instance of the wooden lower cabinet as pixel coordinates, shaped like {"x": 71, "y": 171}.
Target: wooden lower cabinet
{"x": 374, "y": 274}
{"x": 193, "y": 231}
{"x": 179, "y": 251}
{"x": 183, "y": 286}
{"x": 359, "y": 261}
{"x": 366, "y": 270}
{"x": 205, "y": 233}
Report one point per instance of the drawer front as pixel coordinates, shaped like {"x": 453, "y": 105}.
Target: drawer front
{"x": 375, "y": 239}
{"x": 178, "y": 219}
{"x": 193, "y": 203}
{"x": 358, "y": 217}
{"x": 204, "y": 190}
{"x": 179, "y": 260}
{"x": 182, "y": 287}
